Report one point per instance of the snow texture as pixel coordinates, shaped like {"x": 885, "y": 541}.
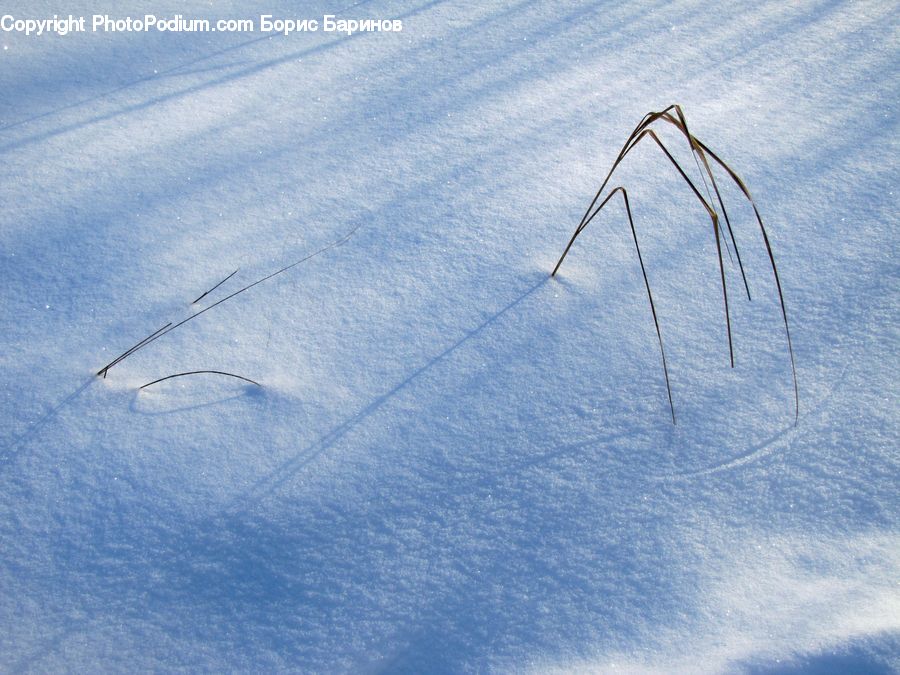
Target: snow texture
{"x": 455, "y": 463}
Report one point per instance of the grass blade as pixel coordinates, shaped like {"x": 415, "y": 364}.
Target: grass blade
{"x": 170, "y": 327}
{"x": 215, "y": 287}
{"x": 198, "y": 372}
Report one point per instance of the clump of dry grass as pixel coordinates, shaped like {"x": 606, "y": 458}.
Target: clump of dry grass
{"x": 702, "y": 155}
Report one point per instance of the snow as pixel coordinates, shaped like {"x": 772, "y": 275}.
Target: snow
{"x": 454, "y": 463}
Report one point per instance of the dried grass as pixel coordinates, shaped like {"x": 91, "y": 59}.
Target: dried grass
{"x": 674, "y": 116}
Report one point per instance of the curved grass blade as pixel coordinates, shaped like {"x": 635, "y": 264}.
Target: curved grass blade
{"x": 743, "y": 188}
{"x": 680, "y": 123}
{"x": 637, "y": 248}
{"x": 198, "y": 372}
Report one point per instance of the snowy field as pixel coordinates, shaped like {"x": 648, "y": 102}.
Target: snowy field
{"x": 454, "y": 462}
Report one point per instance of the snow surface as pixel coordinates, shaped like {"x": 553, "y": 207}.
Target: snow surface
{"x": 454, "y": 463}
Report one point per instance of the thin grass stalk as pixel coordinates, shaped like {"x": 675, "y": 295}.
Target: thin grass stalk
{"x": 121, "y": 356}
{"x": 740, "y": 183}
{"x": 715, "y": 222}
{"x": 697, "y": 149}
{"x": 662, "y": 350}
{"x": 637, "y": 248}
{"x": 215, "y": 287}
{"x": 148, "y": 341}
{"x": 198, "y": 372}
